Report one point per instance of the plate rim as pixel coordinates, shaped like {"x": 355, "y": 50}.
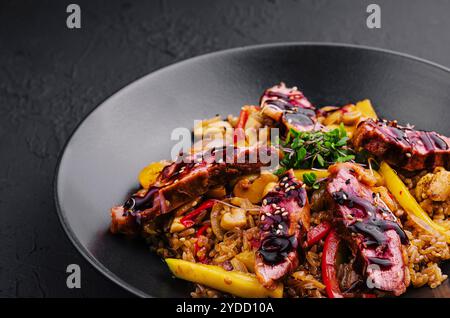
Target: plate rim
{"x": 100, "y": 267}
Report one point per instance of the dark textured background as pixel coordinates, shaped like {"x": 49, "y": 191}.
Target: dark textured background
{"x": 51, "y": 77}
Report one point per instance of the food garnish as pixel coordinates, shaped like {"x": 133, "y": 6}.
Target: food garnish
{"x": 315, "y": 149}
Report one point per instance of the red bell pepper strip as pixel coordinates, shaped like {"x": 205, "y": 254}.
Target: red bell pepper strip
{"x": 196, "y": 247}
{"x": 188, "y": 221}
{"x": 329, "y": 273}
{"x": 317, "y": 233}
{"x": 243, "y": 117}
{"x": 239, "y": 133}
{"x": 202, "y": 230}
{"x": 329, "y": 260}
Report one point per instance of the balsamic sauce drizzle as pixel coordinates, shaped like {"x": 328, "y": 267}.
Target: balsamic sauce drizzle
{"x": 139, "y": 203}
{"x": 430, "y": 139}
{"x": 277, "y": 243}
{"x": 372, "y": 224}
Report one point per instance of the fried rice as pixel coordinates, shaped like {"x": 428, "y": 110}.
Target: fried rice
{"x": 425, "y": 251}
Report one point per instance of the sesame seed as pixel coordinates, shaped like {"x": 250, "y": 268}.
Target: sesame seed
{"x": 278, "y": 232}
{"x": 280, "y": 226}
{"x": 408, "y": 155}
{"x": 292, "y": 188}
{"x": 264, "y": 201}
{"x": 284, "y": 179}
{"x": 283, "y": 209}
{"x": 263, "y": 217}
{"x": 286, "y": 185}
{"x": 274, "y": 205}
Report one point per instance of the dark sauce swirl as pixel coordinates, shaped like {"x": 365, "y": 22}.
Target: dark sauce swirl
{"x": 275, "y": 249}
{"x": 139, "y": 203}
{"x": 438, "y": 141}
{"x": 301, "y": 118}
{"x": 430, "y": 139}
{"x": 372, "y": 224}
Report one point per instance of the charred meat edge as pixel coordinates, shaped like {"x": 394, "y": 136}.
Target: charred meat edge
{"x": 403, "y": 147}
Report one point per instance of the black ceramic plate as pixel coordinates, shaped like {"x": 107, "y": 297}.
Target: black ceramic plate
{"x": 132, "y": 128}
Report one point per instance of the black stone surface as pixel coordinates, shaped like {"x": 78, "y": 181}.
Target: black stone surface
{"x": 51, "y": 77}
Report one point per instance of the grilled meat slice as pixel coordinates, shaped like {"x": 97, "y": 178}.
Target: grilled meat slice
{"x": 121, "y": 222}
{"x": 403, "y": 147}
{"x": 370, "y": 228}
{"x": 289, "y": 108}
{"x": 284, "y": 217}
{"x": 186, "y": 179}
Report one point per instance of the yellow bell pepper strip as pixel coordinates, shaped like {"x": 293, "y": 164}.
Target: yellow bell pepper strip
{"x": 237, "y": 283}
{"x": 320, "y": 174}
{"x": 248, "y": 259}
{"x": 366, "y": 109}
{"x": 148, "y": 175}
{"x": 399, "y": 190}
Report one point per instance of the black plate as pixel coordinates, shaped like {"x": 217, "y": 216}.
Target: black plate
{"x": 132, "y": 128}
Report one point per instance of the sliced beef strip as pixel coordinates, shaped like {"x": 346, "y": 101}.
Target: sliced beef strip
{"x": 289, "y": 108}
{"x": 370, "y": 229}
{"x": 185, "y": 180}
{"x": 284, "y": 216}
{"x": 403, "y": 147}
